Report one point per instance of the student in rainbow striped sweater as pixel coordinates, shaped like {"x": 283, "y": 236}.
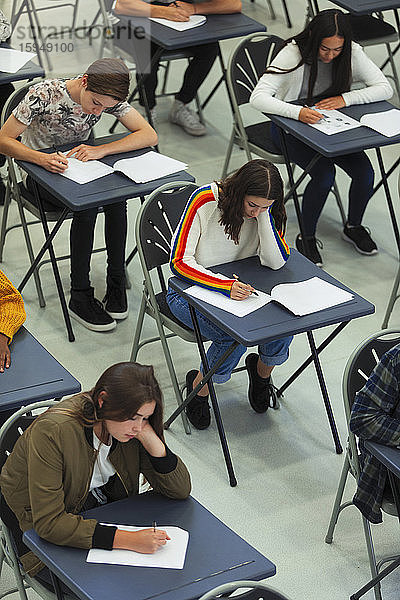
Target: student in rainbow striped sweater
{"x": 241, "y": 216}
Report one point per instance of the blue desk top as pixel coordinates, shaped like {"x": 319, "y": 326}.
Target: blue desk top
{"x": 215, "y": 554}
{"x": 347, "y": 142}
{"x": 272, "y": 321}
{"x": 216, "y": 28}
{"x": 363, "y": 7}
{"x": 100, "y": 192}
{"x": 387, "y": 455}
{"x": 29, "y": 71}
{"x": 34, "y": 374}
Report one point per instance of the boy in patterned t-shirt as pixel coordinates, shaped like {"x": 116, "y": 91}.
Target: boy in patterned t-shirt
{"x": 57, "y": 111}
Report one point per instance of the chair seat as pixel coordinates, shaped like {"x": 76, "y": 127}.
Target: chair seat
{"x": 259, "y": 134}
{"x": 371, "y": 30}
{"x": 166, "y": 312}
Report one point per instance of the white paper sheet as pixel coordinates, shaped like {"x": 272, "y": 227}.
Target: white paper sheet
{"x": 83, "y": 172}
{"x": 240, "y": 308}
{"x": 309, "y": 296}
{"x": 334, "y": 121}
{"x": 194, "y": 21}
{"x": 149, "y": 166}
{"x": 387, "y": 123}
{"x": 12, "y": 61}
{"x": 170, "y": 556}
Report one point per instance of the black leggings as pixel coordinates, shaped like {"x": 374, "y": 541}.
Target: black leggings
{"x": 82, "y": 235}
{"x": 196, "y": 72}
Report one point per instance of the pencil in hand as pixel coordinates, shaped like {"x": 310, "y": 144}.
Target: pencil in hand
{"x": 238, "y": 280}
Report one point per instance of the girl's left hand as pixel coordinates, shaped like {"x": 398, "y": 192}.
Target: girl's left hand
{"x": 331, "y": 103}
{"x": 150, "y": 440}
{"x": 84, "y": 152}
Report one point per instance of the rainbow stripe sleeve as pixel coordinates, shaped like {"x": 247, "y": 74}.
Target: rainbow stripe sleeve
{"x": 280, "y": 240}
{"x": 182, "y": 263}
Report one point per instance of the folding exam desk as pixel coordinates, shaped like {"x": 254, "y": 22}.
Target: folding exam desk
{"x": 215, "y": 29}
{"x": 215, "y": 554}
{"x": 76, "y": 197}
{"x": 339, "y": 144}
{"x": 269, "y": 323}
{"x": 34, "y": 375}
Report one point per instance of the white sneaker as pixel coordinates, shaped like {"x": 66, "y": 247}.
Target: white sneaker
{"x": 187, "y": 119}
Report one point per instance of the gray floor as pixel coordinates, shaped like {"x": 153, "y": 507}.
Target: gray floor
{"x": 285, "y": 462}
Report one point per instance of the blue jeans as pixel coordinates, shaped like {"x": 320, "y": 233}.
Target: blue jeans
{"x": 273, "y": 353}
{"x": 357, "y": 166}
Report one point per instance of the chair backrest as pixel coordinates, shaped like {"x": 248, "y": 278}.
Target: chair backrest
{"x": 15, "y": 426}
{"x": 157, "y": 220}
{"x": 362, "y": 362}
{"x": 254, "y": 590}
{"x": 14, "y": 99}
{"x": 10, "y": 431}
{"x": 248, "y": 63}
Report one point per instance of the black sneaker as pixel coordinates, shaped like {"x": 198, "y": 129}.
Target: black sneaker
{"x": 115, "y": 301}
{"x": 360, "y": 237}
{"x": 312, "y": 252}
{"x": 198, "y": 410}
{"x": 262, "y": 393}
{"x": 89, "y": 312}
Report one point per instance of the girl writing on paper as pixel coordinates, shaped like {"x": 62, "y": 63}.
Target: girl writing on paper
{"x": 58, "y": 111}
{"x": 86, "y": 451}
{"x": 241, "y": 216}
{"x": 319, "y": 66}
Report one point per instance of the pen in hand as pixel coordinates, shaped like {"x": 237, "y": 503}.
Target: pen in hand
{"x": 238, "y": 280}
{"x": 154, "y": 526}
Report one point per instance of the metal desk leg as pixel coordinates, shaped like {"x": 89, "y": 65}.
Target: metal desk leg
{"x": 286, "y": 11}
{"x": 217, "y": 414}
{"x": 309, "y": 360}
{"x": 394, "y": 295}
{"x": 220, "y": 80}
{"x": 324, "y": 393}
{"x": 49, "y": 238}
{"x": 57, "y": 586}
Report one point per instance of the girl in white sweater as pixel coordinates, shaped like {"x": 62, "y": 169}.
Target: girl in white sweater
{"x": 319, "y": 66}
{"x": 241, "y": 216}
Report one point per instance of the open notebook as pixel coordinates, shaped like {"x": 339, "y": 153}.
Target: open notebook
{"x": 12, "y": 61}
{"x": 302, "y": 298}
{"x": 387, "y": 122}
{"x": 140, "y": 169}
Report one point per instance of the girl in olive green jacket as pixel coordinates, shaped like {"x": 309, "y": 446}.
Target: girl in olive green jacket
{"x": 89, "y": 450}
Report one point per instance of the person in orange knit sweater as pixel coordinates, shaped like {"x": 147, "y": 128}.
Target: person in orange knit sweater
{"x": 12, "y": 315}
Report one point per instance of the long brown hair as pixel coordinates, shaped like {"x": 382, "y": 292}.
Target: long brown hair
{"x": 109, "y": 77}
{"x": 260, "y": 178}
{"x": 128, "y": 385}
{"x": 327, "y": 23}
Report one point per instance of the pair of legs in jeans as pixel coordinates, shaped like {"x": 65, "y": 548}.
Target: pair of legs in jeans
{"x": 357, "y": 166}
{"x": 259, "y": 368}
{"x": 81, "y": 245}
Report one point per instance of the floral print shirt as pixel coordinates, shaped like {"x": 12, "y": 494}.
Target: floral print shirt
{"x": 5, "y": 29}
{"x": 53, "y": 118}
